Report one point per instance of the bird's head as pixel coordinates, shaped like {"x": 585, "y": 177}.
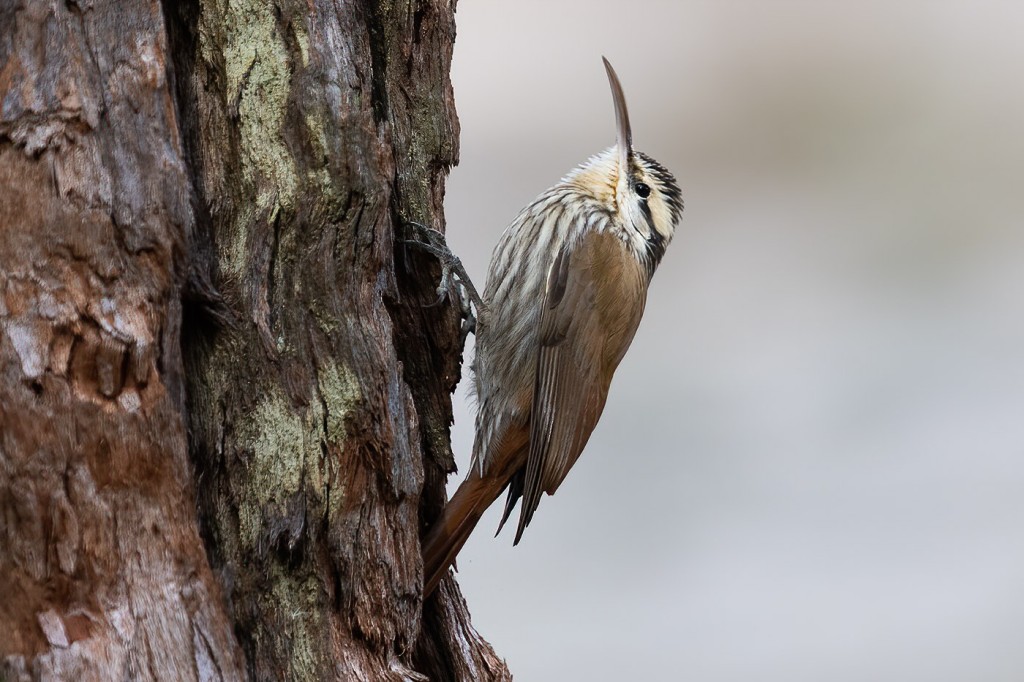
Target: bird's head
{"x": 640, "y": 192}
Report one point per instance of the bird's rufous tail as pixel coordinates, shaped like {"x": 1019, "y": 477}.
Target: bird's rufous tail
{"x": 451, "y": 530}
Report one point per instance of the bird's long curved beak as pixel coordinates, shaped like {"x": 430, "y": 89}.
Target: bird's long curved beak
{"x": 624, "y": 134}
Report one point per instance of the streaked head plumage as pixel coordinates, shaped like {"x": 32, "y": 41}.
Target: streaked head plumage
{"x": 631, "y": 185}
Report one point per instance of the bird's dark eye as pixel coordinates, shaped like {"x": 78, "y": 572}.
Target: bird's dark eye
{"x": 642, "y": 189}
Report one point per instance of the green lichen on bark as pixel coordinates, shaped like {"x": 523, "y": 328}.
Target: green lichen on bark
{"x": 340, "y": 391}
{"x": 300, "y": 600}
{"x": 322, "y": 127}
{"x": 277, "y": 438}
{"x": 244, "y": 36}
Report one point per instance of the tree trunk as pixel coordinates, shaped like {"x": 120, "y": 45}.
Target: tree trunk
{"x": 102, "y": 572}
{"x": 258, "y": 161}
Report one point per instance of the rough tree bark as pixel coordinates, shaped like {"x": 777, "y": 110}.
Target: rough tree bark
{"x": 233, "y": 488}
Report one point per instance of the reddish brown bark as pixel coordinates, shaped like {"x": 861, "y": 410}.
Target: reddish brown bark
{"x": 103, "y": 573}
{"x": 257, "y": 161}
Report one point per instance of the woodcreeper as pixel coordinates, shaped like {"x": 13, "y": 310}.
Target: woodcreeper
{"x": 566, "y": 289}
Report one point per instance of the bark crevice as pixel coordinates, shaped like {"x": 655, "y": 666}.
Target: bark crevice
{"x": 204, "y": 290}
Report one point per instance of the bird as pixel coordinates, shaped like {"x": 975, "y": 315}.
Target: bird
{"x": 566, "y": 288}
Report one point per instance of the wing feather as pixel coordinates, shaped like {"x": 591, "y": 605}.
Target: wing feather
{"x": 570, "y": 386}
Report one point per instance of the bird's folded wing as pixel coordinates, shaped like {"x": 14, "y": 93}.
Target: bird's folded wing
{"x": 569, "y": 389}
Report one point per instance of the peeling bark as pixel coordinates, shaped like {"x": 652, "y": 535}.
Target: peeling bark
{"x": 232, "y": 488}
{"x": 103, "y": 572}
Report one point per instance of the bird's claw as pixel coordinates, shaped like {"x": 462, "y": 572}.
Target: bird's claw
{"x": 453, "y": 276}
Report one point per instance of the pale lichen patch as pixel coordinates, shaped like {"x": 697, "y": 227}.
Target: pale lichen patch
{"x": 259, "y": 76}
{"x": 339, "y": 394}
{"x": 275, "y": 433}
{"x": 340, "y": 390}
{"x": 300, "y": 599}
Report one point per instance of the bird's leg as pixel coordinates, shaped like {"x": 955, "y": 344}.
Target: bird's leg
{"x": 453, "y": 276}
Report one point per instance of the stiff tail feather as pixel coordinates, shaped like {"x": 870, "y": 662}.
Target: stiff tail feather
{"x": 450, "y": 532}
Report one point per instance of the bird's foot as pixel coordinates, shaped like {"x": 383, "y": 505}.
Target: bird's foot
{"x": 454, "y": 277}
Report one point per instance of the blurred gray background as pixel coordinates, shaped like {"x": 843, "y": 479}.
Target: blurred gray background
{"x": 811, "y": 465}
